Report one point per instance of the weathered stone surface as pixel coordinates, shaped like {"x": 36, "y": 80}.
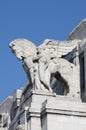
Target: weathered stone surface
{"x": 63, "y": 114}
{"x": 49, "y": 59}
{"x": 79, "y": 32}
{"x": 21, "y": 127}
{"x": 6, "y": 105}
{"x": 55, "y": 96}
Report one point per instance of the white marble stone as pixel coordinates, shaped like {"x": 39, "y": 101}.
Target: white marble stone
{"x": 55, "y": 96}
{"x": 79, "y": 32}
{"x": 49, "y": 59}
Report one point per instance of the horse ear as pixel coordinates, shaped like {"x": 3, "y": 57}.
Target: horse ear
{"x": 22, "y": 48}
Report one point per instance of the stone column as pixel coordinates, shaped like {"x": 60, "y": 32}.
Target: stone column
{"x": 34, "y": 111}
{"x": 85, "y": 69}
{"x": 34, "y": 122}
{"x": 77, "y": 72}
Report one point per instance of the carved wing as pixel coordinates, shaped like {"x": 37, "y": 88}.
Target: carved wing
{"x": 60, "y": 48}
{"x": 22, "y": 48}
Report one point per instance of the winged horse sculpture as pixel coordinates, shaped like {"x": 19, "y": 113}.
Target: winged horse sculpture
{"x": 40, "y": 62}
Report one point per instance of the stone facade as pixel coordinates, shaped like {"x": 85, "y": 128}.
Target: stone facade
{"x": 55, "y": 95}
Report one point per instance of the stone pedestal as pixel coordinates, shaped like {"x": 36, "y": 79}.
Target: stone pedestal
{"x": 50, "y": 112}
{"x": 35, "y": 105}
{"x": 63, "y": 115}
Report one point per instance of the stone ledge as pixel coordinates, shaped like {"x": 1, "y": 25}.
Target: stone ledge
{"x": 60, "y": 107}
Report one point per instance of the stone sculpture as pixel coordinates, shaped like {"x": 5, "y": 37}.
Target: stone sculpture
{"x": 45, "y": 60}
{"x": 21, "y": 127}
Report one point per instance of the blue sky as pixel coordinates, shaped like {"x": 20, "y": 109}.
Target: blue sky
{"x": 35, "y": 20}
